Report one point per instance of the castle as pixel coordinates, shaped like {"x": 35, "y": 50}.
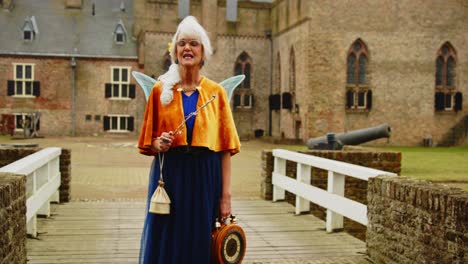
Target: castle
{"x": 312, "y": 66}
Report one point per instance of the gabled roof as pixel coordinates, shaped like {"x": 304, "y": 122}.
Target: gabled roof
{"x": 68, "y": 32}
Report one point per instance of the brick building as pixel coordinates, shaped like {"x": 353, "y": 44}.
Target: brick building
{"x": 312, "y": 66}
{"x": 71, "y": 62}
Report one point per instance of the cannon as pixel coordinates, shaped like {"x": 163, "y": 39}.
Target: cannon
{"x": 334, "y": 141}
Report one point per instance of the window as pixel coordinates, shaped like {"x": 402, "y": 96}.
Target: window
{"x": 118, "y": 123}
{"x": 120, "y": 87}
{"x": 23, "y": 83}
{"x": 30, "y": 29}
{"x": 447, "y": 98}
{"x": 243, "y": 97}
{"x": 278, "y": 74}
{"x": 120, "y": 33}
{"x": 26, "y": 120}
{"x": 358, "y": 93}
{"x": 288, "y": 99}
{"x": 20, "y": 121}
{"x": 275, "y": 99}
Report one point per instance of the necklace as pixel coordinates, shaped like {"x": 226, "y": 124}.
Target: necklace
{"x": 188, "y": 89}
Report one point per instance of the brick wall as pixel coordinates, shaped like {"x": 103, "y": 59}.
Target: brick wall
{"x": 12, "y": 218}
{"x": 65, "y": 176}
{"x": 355, "y": 189}
{"x": 10, "y": 155}
{"x": 416, "y": 222}
{"x": 55, "y": 100}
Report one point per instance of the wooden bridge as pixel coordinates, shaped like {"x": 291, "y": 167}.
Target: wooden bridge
{"x": 109, "y": 232}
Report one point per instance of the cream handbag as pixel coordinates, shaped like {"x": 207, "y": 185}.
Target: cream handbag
{"x": 160, "y": 202}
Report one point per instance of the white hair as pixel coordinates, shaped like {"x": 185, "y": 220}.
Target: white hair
{"x": 190, "y": 28}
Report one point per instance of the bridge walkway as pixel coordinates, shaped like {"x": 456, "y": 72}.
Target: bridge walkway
{"x": 109, "y": 232}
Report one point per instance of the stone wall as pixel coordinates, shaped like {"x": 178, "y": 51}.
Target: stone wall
{"x": 10, "y": 155}
{"x": 156, "y": 22}
{"x": 12, "y": 218}
{"x": 402, "y": 37}
{"x": 416, "y": 222}
{"x": 355, "y": 189}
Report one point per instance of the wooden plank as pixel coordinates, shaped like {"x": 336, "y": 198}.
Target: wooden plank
{"x": 109, "y": 232}
{"x": 339, "y": 204}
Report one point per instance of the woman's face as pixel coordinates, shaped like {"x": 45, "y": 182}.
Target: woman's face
{"x": 189, "y": 52}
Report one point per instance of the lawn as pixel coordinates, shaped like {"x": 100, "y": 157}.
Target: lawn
{"x": 434, "y": 164}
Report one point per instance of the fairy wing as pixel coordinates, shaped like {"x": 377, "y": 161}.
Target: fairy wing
{"x": 230, "y": 84}
{"x": 146, "y": 83}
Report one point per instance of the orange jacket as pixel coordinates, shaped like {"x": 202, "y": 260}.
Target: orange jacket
{"x": 214, "y": 126}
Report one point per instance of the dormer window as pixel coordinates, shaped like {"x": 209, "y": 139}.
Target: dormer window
{"x": 30, "y": 29}
{"x": 120, "y": 33}
{"x": 28, "y": 35}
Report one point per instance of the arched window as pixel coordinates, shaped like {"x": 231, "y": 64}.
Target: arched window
{"x": 243, "y": 66}
{"x": 447, "y": 98}
{"x": 243, "y": 97}
{"x": 358, "y": 92}
{"x": 278, "y": 74}
{"x": 166, "y": 61}
{"x": 288, "y": 97}
{"x": 292, "y": 72}
{"x": 275, "y": 98}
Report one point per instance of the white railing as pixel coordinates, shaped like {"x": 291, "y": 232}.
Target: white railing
{"x": 42, "y": 171}
{"x": 333, "y": 199}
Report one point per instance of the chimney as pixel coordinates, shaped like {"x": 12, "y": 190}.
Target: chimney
{"x": 75, "y": 4}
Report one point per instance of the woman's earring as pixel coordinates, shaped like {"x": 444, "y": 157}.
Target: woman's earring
{"x": 202, "y": 63}
{"x": 176, "y": 61}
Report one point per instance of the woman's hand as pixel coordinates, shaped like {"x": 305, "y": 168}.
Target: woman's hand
{"x": 164, "y": 142}
{"x": 225, "y": 206}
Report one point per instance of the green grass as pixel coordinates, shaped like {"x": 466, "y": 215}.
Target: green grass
{"x": 434, "y": 164}
{"x": 5, "y": 137}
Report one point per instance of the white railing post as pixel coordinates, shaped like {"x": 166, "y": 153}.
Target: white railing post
{"x": 45, "y": 209}
{"x": 279, "y": 167}
{"x": 302, "y": 175}
{"x": 31, "y": 226}
{"x": 336, "y": 185}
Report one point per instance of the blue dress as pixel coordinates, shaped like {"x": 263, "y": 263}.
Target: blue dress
{"x": 193, "y": 183}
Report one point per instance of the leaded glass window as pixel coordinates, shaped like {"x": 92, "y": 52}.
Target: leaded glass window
{"x": 445, "y": 80}
{"x": 358, "y": 94}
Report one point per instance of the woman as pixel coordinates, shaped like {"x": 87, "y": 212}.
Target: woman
{"x": 197, "y": 161}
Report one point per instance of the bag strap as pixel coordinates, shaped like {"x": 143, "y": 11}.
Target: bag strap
{"x": 161, "y": 164}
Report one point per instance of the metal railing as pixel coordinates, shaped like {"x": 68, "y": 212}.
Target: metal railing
{"x": 333, "y": 199}
{"x": 42, "y": 171}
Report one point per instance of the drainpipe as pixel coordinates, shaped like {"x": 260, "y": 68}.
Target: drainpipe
{"x": 73, "y": 114}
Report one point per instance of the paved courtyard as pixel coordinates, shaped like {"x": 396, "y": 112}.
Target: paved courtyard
{"x": 110, "y": 168}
